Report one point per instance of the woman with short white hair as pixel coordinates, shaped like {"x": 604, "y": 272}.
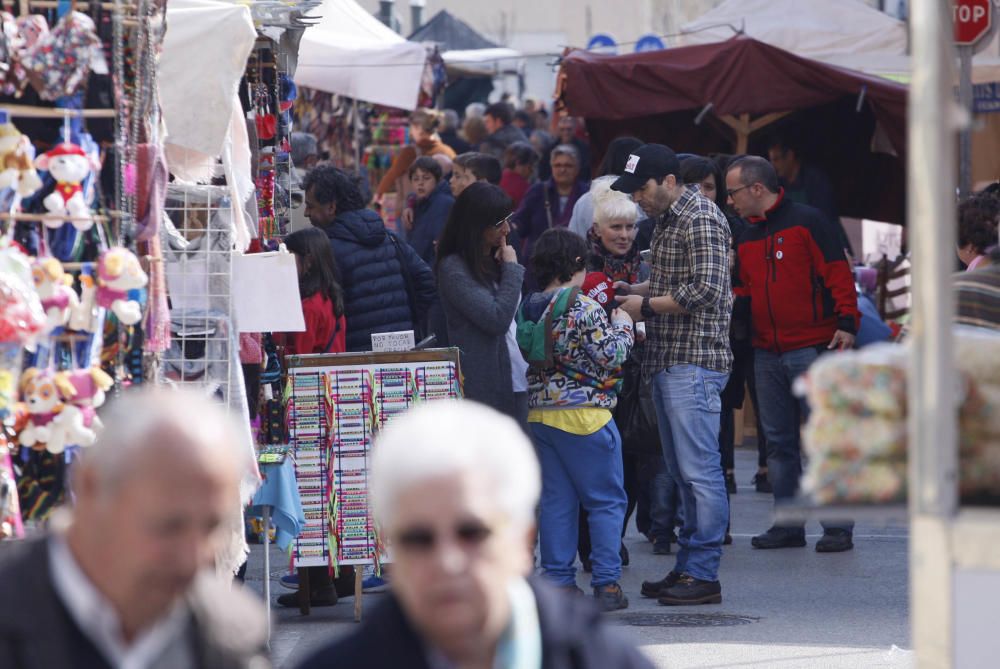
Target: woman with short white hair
{"x": 454, "y": 485}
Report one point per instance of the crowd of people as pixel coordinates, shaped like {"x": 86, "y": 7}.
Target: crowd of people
{"x": 541, "y": 278}
{"x": 608, "y": 328}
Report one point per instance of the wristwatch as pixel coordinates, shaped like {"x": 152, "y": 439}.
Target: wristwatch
{"x": 647, "y": 309}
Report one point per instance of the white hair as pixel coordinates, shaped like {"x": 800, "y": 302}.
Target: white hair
{"x": 566, "y": 150}
{"x": 453, "y": 437}
{"x": 137, "y": 421}
{"x": 475, "y": 110}
{"x": 611, "y": 205}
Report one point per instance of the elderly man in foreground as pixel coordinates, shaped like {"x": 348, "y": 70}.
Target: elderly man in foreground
{"x": 454, "y": 487}
{"x": 128, "y": 581}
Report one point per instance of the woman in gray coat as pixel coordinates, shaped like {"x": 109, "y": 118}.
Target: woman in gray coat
{"x": 479, "y": 283}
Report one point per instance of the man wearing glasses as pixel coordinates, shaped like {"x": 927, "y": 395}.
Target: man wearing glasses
{"x": 454, "y": 487}
{"x": 802, "y": 303}
{"x": 687, "y": 306}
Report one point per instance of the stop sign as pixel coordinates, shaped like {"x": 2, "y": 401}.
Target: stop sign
{"x": 971, "y": 19}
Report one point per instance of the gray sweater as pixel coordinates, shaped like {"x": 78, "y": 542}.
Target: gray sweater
{"x": 478, "y": 319}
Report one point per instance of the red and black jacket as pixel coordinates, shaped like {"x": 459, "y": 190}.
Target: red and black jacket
{"x": 800, "y": 285}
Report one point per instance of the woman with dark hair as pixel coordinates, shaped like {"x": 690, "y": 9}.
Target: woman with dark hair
{"x": 705, "y": 174}
{"x": 479, "y": 282}
{"x": 322, "y": 297}
{"x": 615, "y": 159}
{"x": 977, "y": 230}
{"x": 576, "y": 354}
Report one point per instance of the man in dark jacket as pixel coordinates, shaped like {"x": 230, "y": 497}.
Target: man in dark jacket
{"x": 129, "y": 580}
{"x": 454, "y": 487}
{"x": 387, "y": 287}
{"x": 802, "y": 303}
{"x": 499, "y": 120}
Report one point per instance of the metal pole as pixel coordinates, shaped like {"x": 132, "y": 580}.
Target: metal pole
{"x": 932, "y": 421}
{"x": 267, "y": 568}
{"x": 965, "y": 134}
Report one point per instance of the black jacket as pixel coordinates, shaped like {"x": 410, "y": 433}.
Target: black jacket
{"x": 376, "y": 297}
{"x": 573, "y": 637}
{"x": 38, "y": 632}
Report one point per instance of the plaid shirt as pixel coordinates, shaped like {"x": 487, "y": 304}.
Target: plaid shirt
{"x": 690, "y": 258}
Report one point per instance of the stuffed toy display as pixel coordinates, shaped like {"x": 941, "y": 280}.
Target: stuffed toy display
{"x": 118, "y": 272}
{"x": 82, "y": 392}
{"x": 69, "y": 165}
{"x": 41, "y": 397}
{"x": 53, "y": 287}
{"x": 15, "y": 160}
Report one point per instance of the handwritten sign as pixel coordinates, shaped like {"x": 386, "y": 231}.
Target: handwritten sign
{"x": 383, "y": 342}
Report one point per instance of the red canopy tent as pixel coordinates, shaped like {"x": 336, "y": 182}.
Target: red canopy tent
{"x": 719, "y": 98}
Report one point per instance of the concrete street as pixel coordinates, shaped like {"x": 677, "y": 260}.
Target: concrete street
{"x": 786, "y": 609}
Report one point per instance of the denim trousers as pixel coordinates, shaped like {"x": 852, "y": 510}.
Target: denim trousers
{"x": 688, "y": 406}
{"x": 781, "y": 416}
{"x": 663, "y": 503}
{"x": 580, "y": 471}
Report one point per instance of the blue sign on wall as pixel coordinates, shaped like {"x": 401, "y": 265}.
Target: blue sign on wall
{"x": 986, "y": 98}
{"x": 649, "y": 43}
{"x": 603, "y": 42}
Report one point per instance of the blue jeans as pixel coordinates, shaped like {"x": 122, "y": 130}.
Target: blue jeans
{"x": 580, "y": 471}
{"x": 663, "y": 503}
{"x": 688, "y": 406}
{"x": 781, "y": 415}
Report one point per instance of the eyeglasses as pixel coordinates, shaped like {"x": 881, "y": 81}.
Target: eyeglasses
{"x": 505, "y": 219}
{"x": 424, "y": 539}
{"x": 733, "y": 192}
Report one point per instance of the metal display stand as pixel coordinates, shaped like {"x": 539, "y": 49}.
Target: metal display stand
{"x": 337, "y": 403}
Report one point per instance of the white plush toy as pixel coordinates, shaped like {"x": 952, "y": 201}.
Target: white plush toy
{"x": 69, "y": 165}
{"x": 53, "y": 287}
{"x": 119, "y": 271}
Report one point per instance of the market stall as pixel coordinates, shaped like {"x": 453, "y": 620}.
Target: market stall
{"x": 728, "y": 97}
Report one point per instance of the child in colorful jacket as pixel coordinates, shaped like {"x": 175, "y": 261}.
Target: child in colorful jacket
{"x": 575, "y": 355}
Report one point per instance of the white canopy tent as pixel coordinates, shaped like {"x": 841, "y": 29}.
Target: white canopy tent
{"x": 846, "y": 33}
{"x": 349, "y": 52}
{"x": 809, "y": 28}
{"x": 484, "y": 61}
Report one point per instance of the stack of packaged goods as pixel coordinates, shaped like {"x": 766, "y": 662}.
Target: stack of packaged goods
{"x": 855, "y": 438}
{"x": 978, "y": 357}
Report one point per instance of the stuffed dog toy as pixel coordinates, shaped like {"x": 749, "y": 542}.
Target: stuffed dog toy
{"x": 69, "y": 165}
{"x": 119, "y": 271}
{"x": 53, "y": 287}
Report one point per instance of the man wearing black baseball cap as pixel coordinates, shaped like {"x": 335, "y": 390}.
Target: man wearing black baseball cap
{"x": 687, "y": 306}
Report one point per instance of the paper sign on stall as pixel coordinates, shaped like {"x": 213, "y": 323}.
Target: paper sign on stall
{"x": 266, "y": 293}
{"x": 386, "y": 342}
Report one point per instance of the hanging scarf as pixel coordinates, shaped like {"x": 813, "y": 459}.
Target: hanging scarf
{"x": 619, "y": 268}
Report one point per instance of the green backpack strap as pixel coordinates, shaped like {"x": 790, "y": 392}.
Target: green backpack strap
{"x": 535, "y": 339}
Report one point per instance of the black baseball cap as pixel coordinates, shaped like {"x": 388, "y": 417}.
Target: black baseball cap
{"x": 649, "y": 161}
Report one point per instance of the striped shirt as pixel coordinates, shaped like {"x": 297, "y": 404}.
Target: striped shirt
{"x": 690, "y": 259}
{"x": 978, "y": 296}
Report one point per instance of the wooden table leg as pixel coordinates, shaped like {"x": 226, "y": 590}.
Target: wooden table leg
{"x": 358, "y": 578}
{"x": 303, "y": 573}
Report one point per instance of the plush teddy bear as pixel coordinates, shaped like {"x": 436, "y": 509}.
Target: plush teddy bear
{"x": 41, "y": 396}
{"x": 15, "y": 160}
{"x": 53, "y": 287}
{"x": 82, "y": 391}
{"x": 119, "y": 271}
{"x": 69, "y": 165}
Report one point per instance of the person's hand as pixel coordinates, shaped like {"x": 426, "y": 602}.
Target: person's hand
{"x": 622, "y": 288}
{"x": 407, "y": 218}
{"x": 631, "y": 305}
{"x": 621, "y": 317}
{"x": 842, "y": 341}
{"x": 506, "y": 253}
